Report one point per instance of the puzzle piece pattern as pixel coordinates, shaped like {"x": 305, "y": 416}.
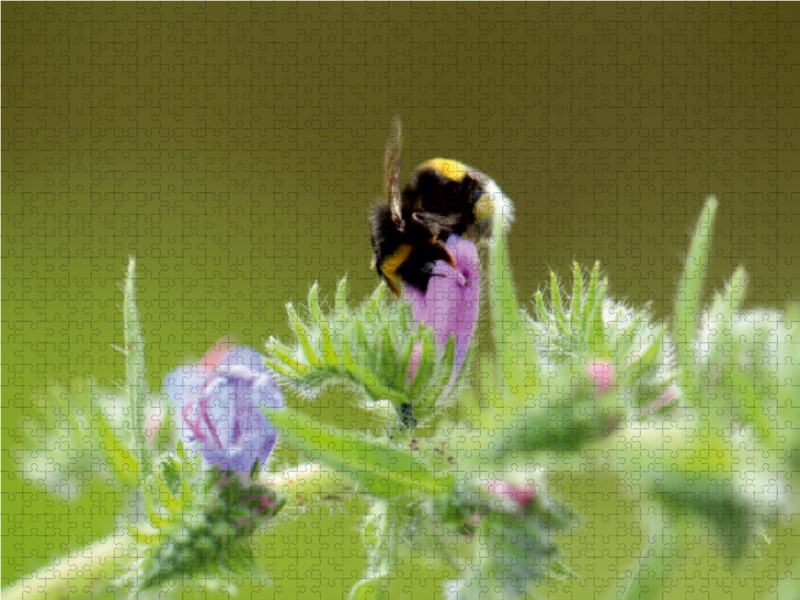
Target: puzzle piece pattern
{"x": 236, "y": 151}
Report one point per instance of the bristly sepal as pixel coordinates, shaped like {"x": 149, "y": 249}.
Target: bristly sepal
{"x": 371, "y": 347}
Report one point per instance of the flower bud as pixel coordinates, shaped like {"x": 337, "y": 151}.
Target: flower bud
{"x": 512, "y": 496}
{"x": 602, "y": 374}
{"x": 221, "y": 401}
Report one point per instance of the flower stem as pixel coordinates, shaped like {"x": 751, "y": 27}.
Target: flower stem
{"x": 658, "y": 559}
{"x": 134, "y": 354}
{"x": 508, "y": 324}
{"x": 77, "y": 574}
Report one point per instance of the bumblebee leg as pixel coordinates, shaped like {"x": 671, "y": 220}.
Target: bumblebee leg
{"x": 393, "y": 286}
{"x": 444, "y": 253}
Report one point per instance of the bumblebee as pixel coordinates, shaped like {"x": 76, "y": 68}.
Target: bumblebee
{"x": 409, "y": 230}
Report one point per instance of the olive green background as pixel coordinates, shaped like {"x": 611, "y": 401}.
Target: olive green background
{"x": 236, "y": 151}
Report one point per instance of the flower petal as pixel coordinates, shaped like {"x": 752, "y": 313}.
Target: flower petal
{"x": 450, "y": 304}
{"x": 221, "y": 401}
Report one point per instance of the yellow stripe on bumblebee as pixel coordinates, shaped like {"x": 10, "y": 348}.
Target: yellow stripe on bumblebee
{"x": 452, "y": 169}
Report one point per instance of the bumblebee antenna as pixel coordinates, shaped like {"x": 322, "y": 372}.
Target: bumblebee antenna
{"x": 392, "y": 171}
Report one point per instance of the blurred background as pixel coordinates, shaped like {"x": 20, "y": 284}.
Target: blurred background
{"x": 236, "y": 152}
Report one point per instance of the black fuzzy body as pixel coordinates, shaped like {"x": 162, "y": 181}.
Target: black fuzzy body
{"x": 433, "y": 207}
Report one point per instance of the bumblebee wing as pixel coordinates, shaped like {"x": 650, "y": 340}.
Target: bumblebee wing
{"x": 392, "y": 171}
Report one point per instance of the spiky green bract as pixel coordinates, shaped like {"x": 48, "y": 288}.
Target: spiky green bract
{"x": 512, "y": 538}
{"x": 691, "y": 286}
{"x": 615, "y": 359}
{"x": 370, "y": 346}
{"x": 597, "y": 330}
{"x": 200, "y": 523}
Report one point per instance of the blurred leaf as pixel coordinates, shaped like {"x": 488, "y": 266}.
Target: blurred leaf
{"x": 690, "y": 289}
{"x": 659, "y": 557}
{"x": 383, "y": 468}
{"x": 508, "y": 321}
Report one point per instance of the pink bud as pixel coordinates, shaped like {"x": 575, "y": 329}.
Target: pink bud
{"x": 668, "y": 396}
{"x": 602, "y": 373}
{"x": 521, "y": 496}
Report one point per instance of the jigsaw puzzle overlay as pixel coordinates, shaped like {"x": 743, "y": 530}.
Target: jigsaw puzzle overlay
{"x": 237, "y": 152}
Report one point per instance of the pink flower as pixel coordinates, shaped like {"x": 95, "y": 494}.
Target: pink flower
{"x": 221, "y": 401}
{"x": 518, "y": 496}
{"x": 602, "y": 374}
{"x": 450, "y": 304}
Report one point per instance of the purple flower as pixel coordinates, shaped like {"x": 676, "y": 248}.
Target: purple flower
{"x": 450, "y": 304}
{"x": 221, "y": 401}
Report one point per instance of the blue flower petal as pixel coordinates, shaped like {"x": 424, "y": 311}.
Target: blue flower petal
{"x": 220, "y": 402}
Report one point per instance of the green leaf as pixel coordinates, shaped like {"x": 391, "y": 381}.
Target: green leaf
{"x": 329, "y": 351}
{"x": 575, "y": 313}
{"x": 401, "y": 376}
{"x": 508, "y": 321}
{"x": 283, "y": 353}
{"x": 313, "y": 303}
{"x": 427, "y": 361}
{"x": 598, "y": 284}
{"x": 659, "y": 557}
{"x": 291, "y": 372}
{"x": 342, "y": 313}
{"x": 690, "y": 289}
{"x": 646, "y": 358}
{"x": 387, "y": 357}
{"x": 540, "y": 310}
{"x": 558, "y": 307}
{"x": 121, "y": 461}
{"x": 444, "y": 370}
{"x": 383, "y": 469}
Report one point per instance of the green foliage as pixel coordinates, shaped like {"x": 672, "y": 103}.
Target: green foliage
{"x": 385, "y": 468}
{"x": 747, "y": 364}
{"x": 199, "y": 523}
{"x": 696, "y": 422}
{"x": 605, "y": 365}
{"x": 597, "y": 330}
{"x": 716, "y": 460}
{"x": 135, "y": 367}
{"x": 511, "y": 536}
{"x": 369, "y": 346}
{"x": 690, "y": 288}
{"x": 509, "y": 373}
{"x": 85, "y": 419}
